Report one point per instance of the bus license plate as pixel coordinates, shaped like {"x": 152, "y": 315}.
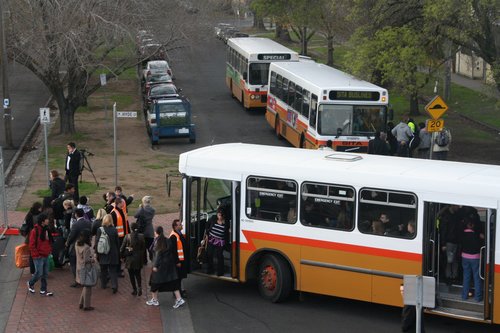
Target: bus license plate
{"x": 183, "y": 130}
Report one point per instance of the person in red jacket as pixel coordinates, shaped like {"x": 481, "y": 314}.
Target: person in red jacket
{"x": 40, "y": 248}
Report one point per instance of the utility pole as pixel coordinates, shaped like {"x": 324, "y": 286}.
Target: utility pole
{"x": 7, "y": 112}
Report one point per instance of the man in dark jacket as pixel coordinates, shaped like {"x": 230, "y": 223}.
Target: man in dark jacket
{"x": 72, "y": 167}
{"x": 80, "y": 225}
{"x": 449, "y": 232}
{"x": 40, "y": 247}
{"x": 379, "y": 144}
{"x": 57, "y": 185}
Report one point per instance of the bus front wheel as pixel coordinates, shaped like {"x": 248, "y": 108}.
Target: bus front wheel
{"x": 275, "y": 280}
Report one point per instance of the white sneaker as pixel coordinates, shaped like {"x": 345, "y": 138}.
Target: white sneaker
{"x": 178, "y": 303}
{"x": 30, "y": 288}
{"x": 153, "y": 302}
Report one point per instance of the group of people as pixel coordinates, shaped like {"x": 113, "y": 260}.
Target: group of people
{"x": 65, "y": 227}
{"x": 407, "y": 139}
{"x": 130, "y": 243}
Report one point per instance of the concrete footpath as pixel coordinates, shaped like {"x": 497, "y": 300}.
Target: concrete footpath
{"x": 21, "y": 311}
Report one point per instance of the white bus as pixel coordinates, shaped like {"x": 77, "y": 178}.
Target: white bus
{"x": 247, "y": 67}
{"x": 310, "y": 103}
{"x": 306, "y": 220}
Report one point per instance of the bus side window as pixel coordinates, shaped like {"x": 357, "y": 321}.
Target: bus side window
{"x": 298, "y": 99}
{"x": 314, "y": 111}
{"x": 389, "y": 212}
{"x": 327, "y": 206}
{"x": 291, "y": 93}
{"x": 284, "y": 92}
{"x": 279, "y": 86}
{"x": 305, "y": 103}
{"x": 272, "y": 84}
{"x": 271, "y": 199}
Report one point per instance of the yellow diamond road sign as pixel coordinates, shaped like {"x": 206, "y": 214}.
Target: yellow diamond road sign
{"x": 436, "y": 108}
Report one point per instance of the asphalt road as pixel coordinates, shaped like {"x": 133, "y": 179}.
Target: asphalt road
{"x": 28, "y": 95}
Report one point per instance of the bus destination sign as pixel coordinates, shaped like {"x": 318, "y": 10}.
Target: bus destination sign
{"x": 274, "y": 56}
{"x": 354, "y": 95}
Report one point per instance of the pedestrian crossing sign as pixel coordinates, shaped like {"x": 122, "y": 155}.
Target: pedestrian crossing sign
{"x": 44, "y": 116}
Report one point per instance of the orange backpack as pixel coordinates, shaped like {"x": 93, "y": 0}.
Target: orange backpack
{"x": 22, "y": 256}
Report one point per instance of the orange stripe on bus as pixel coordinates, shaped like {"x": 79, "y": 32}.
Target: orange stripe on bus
{"x": 251, "y": 235}
{"x": 497, "y": 269}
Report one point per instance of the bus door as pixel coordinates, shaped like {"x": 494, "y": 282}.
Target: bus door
{"x": 203, "y": 196}
{"x": 449, "y": 293}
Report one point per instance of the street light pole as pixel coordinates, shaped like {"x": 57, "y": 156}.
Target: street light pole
{"x": 7, "y": 112}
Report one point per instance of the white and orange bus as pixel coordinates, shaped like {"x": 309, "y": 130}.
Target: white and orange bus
{"x": 247, "y": 67}
{"x": 310, "y": 103}
{"x": 303, "y": 220}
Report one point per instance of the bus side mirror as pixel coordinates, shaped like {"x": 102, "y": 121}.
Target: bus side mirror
{"x": 245, "y": 76}
{"x": 391, "y": 114}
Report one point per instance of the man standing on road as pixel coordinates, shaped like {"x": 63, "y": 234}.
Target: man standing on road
{"x": 403, "y": 134}
{"x": 72, "y": 167}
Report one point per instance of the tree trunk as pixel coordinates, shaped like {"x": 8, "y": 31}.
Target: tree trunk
{"x": 414, "y": 104}
{"x": 258, "y": 21}
{"x": 303, "y": 40}
{"x": 329, "y": 57}
{"x": 282, "y": 33}
{"x": 66, "y": 114}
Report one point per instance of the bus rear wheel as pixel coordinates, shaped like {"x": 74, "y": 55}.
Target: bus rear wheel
{"x": 275, "y": 280}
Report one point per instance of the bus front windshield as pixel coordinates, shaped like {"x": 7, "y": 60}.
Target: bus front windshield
{"x": 350, "y": 119}
{"x": 258, "y": 74}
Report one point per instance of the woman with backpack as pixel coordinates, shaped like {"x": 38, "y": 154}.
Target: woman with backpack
{"x": 144, "y": 219}
{"x": 133, "y": 250}
{"x": 108, "y": 253}
{"x": 441, "y": 145}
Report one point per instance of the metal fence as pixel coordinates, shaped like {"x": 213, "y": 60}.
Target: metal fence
{"x": 3, "y": 196}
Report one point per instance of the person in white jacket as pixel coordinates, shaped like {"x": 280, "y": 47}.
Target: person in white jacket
{"x": 441, "y": 144}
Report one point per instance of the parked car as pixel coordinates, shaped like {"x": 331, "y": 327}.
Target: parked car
{"x": 223, "y": 31}
{"x": 152, "y": 51}
{"x": 229, "y": 33}
{"x": 155, "y": 79}
{"x": 218, "y": 28}
{"x": 156, "y": 67}
{"x": 170, "y": 118}
{"x": 161, "y": 91}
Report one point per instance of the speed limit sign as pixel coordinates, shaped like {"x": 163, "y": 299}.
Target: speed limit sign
{"x": 435, "y": 125}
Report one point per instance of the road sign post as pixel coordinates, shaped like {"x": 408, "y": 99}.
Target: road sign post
{"x": 115, "y": 144}
{"x": 45, "y": 120}
{"x": 419, "y": 291}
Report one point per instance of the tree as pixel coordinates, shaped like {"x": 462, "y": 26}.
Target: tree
{"x": 67, "y": 44}
{"x": 472, "y": 24}
{"x": 393, "y": 46}
{"x": 333, "y": 23}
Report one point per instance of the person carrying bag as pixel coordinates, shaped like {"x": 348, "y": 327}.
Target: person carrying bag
{"x": 86, "y": 269}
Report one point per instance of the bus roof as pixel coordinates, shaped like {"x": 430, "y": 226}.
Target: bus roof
{"x": 234, "y": 161}
{"x": 250, "y": 47}
{"x": 322, "y": 76}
